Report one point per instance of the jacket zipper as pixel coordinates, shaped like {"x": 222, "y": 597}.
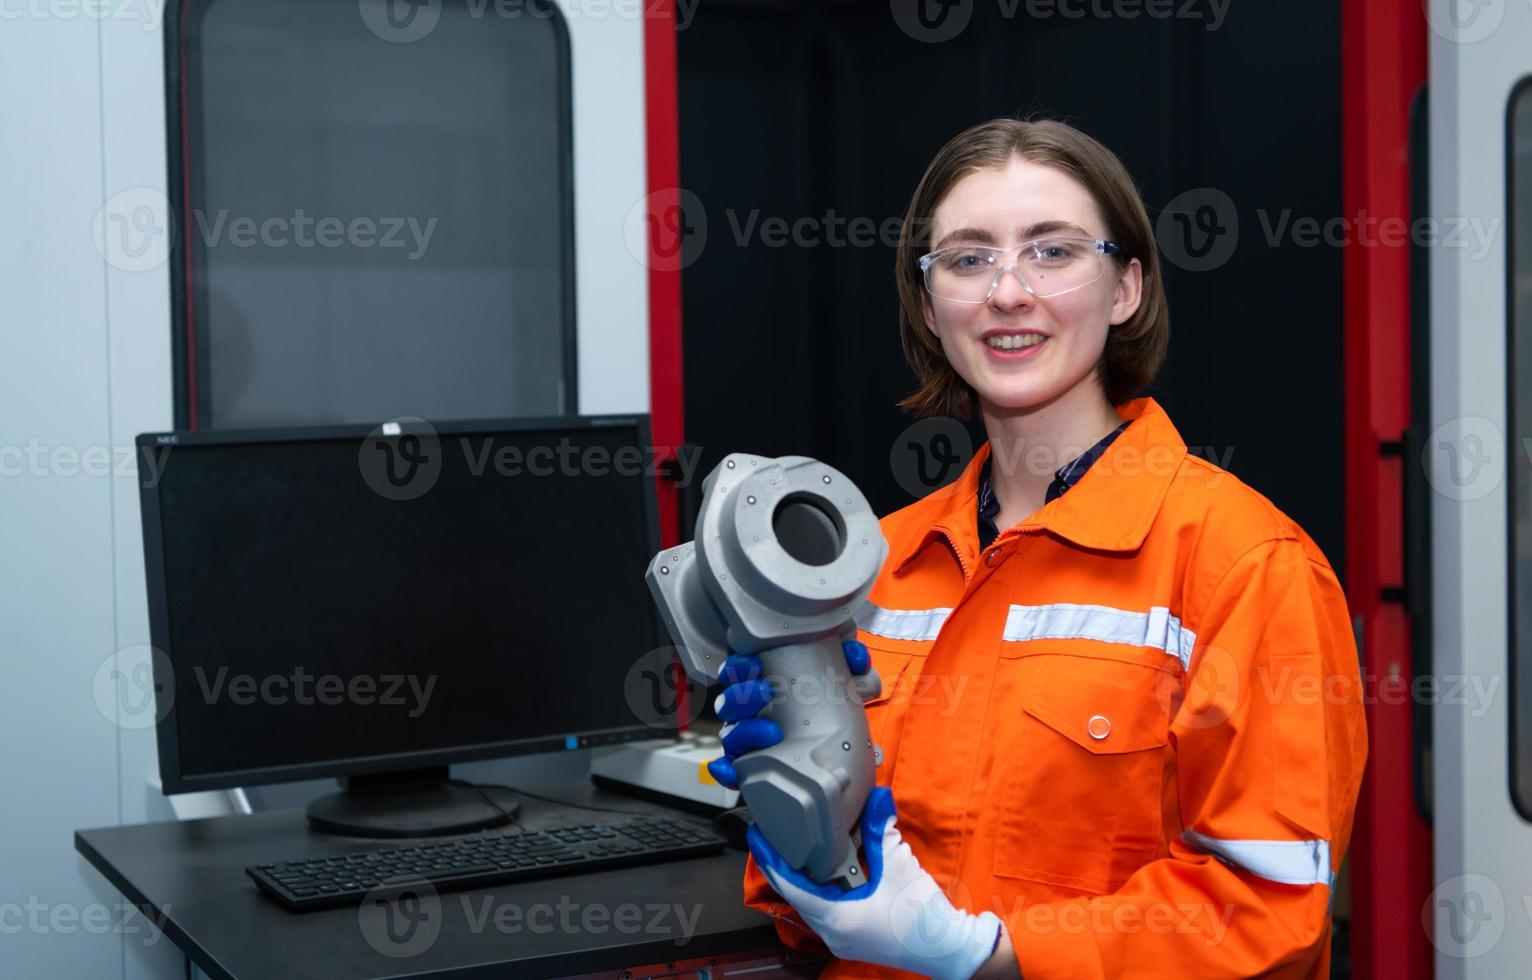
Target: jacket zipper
{"x": 952, "y": 543}
{"x": 1004, "y": 535}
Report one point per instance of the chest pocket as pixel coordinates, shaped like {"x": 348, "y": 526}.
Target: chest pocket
{"x": 899, "y": 669}
{"x": 1081, "y": 799}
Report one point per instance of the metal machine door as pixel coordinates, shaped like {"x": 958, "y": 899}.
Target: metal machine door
{"x": 1476, "y": 458}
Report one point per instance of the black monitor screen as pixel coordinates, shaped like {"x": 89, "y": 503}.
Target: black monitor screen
{"x": 430, "y": 594}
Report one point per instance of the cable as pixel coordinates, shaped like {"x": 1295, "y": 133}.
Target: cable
{"x": 508, "y": 815}
{"x": 549, "y": 799}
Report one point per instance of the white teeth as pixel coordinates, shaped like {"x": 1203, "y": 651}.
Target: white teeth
{"x": 1014, "y": 341}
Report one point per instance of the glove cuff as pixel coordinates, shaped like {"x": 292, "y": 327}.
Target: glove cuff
{"x": 959, "y": 956}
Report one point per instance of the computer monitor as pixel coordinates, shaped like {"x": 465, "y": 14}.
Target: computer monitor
{"x": 376, "y": 603}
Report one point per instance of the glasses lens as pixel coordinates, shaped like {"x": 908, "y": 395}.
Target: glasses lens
{"x": 962, "y": 274}
{"x": 1057, "y": 265}
{"x": 1048, "y": 266}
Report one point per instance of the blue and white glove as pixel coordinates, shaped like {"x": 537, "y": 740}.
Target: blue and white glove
{"x": 748, "y": 692}
{"x": 898, "y": 918}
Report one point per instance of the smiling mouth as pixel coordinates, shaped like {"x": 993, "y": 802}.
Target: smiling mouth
{"x": 1014, "y": 341}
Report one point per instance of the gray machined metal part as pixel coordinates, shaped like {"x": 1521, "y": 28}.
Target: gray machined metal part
{"x": 787, "y": 550}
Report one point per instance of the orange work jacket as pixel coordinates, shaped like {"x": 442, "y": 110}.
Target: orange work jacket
{"x": 1131, "y": 727}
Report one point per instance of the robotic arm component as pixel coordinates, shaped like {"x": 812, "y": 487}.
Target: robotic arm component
{"x": 786, "y": 552}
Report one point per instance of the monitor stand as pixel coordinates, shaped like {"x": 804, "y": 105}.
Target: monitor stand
{"x": 409, "y": 803}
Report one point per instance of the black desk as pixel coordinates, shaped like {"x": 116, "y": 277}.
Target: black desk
{"x": 192, "y": 874}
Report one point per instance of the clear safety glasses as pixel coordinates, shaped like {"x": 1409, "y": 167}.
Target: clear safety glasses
{"x": 1044, "y": 267}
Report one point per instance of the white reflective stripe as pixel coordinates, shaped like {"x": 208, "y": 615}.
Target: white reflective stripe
{"x": 902, "y": 624}
{"x": 1291, "y": 862}
{"x": 1156, "y": 628}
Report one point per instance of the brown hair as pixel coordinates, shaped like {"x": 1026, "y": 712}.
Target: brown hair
{"x": 1134, "y": 349}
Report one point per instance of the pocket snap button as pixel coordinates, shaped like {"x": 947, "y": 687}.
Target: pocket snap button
{"x": 993, "y": 558}
{"x": 1099, "y": 726}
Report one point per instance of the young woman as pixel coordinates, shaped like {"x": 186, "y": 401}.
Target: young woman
{"x": 1121, "y": 711}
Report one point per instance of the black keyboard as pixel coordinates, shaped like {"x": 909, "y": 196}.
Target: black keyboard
{"x": 483, "y": 859}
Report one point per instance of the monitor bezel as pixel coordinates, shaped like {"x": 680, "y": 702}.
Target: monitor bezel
{"x": 167, "y": 729}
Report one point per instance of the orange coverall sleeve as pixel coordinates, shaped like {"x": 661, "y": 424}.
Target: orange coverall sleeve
{"x": 791, "y": 929}
{"x": 1270, "y": 743}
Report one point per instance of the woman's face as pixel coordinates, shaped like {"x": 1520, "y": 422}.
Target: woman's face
{"x": 1005, "y": 207}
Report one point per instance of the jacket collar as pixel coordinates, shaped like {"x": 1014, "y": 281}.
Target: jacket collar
{"x": 1110, "y": 508}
